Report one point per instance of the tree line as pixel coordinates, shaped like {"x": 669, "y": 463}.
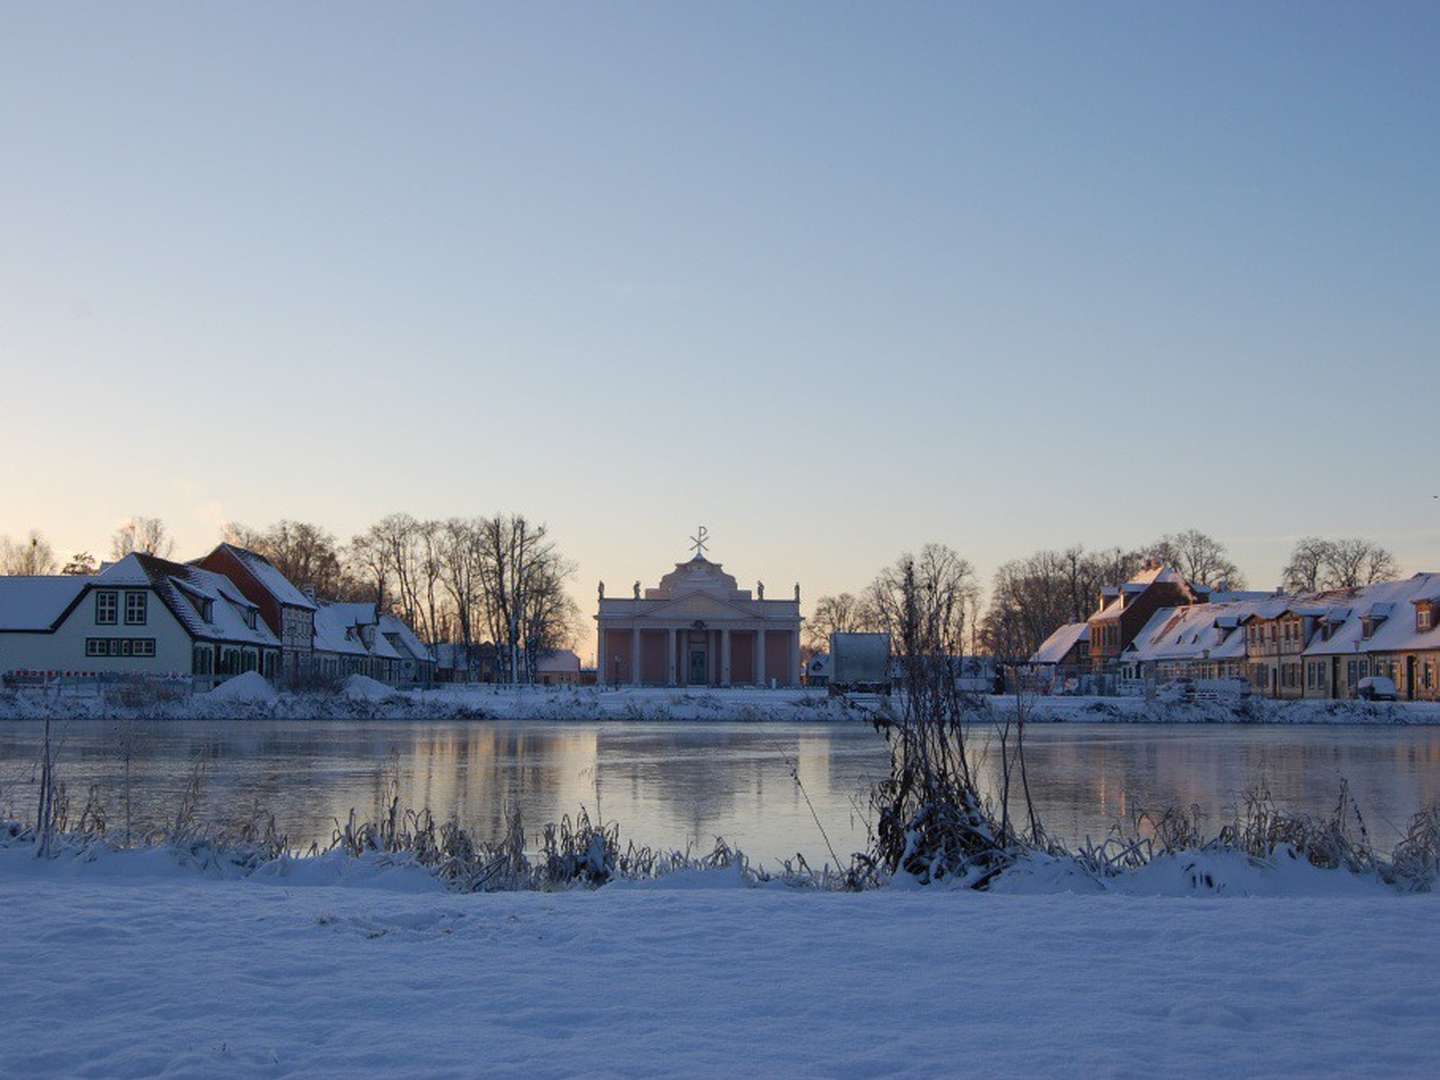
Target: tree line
{"x": 1032, "y": 597}
{"x": 499, "y": 579}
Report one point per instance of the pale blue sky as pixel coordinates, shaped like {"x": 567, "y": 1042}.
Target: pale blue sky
{"x": 834, "y": 279}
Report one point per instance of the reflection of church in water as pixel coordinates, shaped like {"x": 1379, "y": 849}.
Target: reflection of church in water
{"x": 698, "y": 629}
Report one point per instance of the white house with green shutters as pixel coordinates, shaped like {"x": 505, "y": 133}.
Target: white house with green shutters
{"x": 140, "y": 616}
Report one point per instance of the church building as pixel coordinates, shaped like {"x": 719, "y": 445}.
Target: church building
{"x": 697, "y": 628}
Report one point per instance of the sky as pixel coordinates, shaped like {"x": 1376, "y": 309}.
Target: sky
{"x": 833, "y": 279}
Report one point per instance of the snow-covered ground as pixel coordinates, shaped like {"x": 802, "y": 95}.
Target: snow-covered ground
{"x": 250, "y": 697}
{"x": 130, "y": 966}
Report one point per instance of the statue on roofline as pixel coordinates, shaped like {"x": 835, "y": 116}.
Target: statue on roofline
{"x": 602, "y": 590}
{"x": 637, "y": 590}
{"x": 760, "y": 590}
{"x": 797, "y": 592}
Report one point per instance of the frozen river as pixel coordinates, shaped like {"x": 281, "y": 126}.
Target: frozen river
{"x": 683, "y": 784}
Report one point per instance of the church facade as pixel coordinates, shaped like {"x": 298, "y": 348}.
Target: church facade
{"x": 698, "y": 628}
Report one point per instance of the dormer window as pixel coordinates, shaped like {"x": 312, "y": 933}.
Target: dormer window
{"x": 1367, "y": 626}
{"x": 250, "y": 618}
{"x": 1423, "y": 617}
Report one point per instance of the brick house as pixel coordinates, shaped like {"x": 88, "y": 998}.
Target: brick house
{"x": 288, "y": 612}
{"x": 1125, "y": 609}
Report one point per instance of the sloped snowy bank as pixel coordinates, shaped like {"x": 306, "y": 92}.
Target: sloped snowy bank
{"x": 130, "y": 964}
{"x": 249, "y": 697}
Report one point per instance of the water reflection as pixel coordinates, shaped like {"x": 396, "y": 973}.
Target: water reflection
{"x": 681, "y": 785}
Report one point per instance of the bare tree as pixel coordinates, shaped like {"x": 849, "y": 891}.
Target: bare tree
{"x": 1305, "y": 572}
{"x": 943, "y": 582}
{"x": 1031, "y": 598}
{"x": 842, "y": 614}
{"x": 522, "y": 577}
{"x": 144, "y": 534}
{"x": 305, "y": 553}
{"x": 81, "y": 564}
{"x": 1353, "y": 562}
{"x": 30, "y": 557}
{"x": 1200, "y": 557}
{"x": 367, "y": 559}
{"x": 460, "y": 575}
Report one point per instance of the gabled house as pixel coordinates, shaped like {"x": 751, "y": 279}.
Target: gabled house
{"x": 140, "y": 616}
{"x": 1125, "y": 609}
{"x": 416, "y": 664}
{"x": 357, "y": 638}
{"x": 1067, "y": 650}
{"x": 454, "y": 665}
{"x": 340, "y": 650}
{"x": 1198, "y": 641}
{"x": 1387, "y": 629}
{"x": 288, "y": 612}
{"x": 558, "y": 667}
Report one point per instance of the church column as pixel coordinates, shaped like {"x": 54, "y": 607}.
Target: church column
{"x": 760, "y": 656}
{"x": 601, "y": 675}
{"x": 670, "y": 656}
{"x": 794, "y": 657}
{"x": 725, "y": 656}
{"x": 635, "y": 656}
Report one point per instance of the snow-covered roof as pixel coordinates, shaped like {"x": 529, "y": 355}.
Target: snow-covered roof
{"x": 1388, "y": 607}
{"x": 1057, "y": 646}
{"x": 336, "y": 628}
{"x": 180, "y": 586}
{"x": 266, "y": 573}
{"x": 558, "y": 661}
{"x": 1233, "y": 596}
{"x": 404, "y": 638}
{"x": 1195, "y": 632}
{"x": 34, "y": 603}
{"x": 1111, "y": 607}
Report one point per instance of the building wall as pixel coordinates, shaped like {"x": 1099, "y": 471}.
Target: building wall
{"x": 653, "y": 658}
{"x": 297, "y": 639}
{"x": 777, "y": 657}
{"x": 617, "y": 657}
{"x": 742, "y": 658}
{"x": 64, "y": 649}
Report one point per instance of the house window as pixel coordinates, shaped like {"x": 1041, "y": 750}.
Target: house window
{"x": 120, "y": 647}
{"x": 204, "y": 656}
{"x": 135, "y": 608}
{"x": 1429, "y": 679}
{"x": 1422, "y": 619}
{"x": 106, "y": 606}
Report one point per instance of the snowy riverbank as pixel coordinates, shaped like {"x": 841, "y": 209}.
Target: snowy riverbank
{"x": 360, "y": 698}
{"x": 130, "y": 965}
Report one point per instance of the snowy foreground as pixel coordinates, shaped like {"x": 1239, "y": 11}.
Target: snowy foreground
{"x": 130, "y": 966}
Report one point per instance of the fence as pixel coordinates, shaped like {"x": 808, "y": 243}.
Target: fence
{"x": 94, "y": 684}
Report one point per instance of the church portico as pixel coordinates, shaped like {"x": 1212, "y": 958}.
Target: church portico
{"x": 697, "y": 628}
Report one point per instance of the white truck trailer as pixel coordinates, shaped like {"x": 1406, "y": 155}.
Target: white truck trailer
{"x": 859, "y": 664}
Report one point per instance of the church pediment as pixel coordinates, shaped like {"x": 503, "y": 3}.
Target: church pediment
{"x": 698, "y": 606}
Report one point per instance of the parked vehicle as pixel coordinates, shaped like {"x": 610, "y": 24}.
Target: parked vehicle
{"x": 1376, "y": 688}
{"x": 859, "y": 663}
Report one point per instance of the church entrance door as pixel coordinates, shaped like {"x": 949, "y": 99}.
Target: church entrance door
{"x": 697, "y": 675}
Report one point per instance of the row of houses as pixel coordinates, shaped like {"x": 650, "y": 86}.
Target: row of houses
{"x": 1319, "y": 645}
{"x": 225, "y": 614}
{"x": 486, "y": 663}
